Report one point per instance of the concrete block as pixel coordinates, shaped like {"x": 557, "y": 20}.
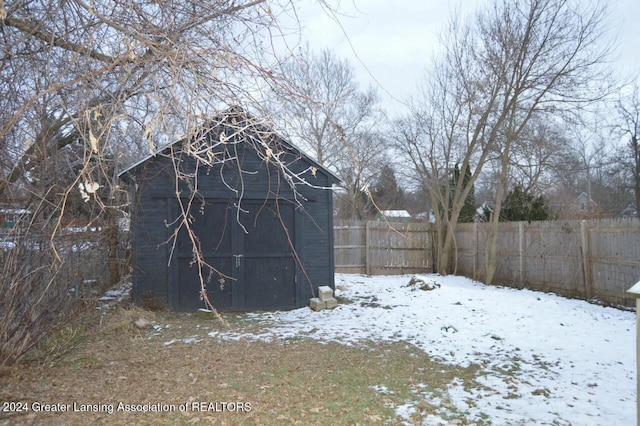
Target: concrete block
{"x": 316, "y": 304}
{"x": 331, "y": 303}
{"x": 325, "y": 293}
{"x": 204, "y": 313}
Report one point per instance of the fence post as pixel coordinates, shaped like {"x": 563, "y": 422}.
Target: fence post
{"x": 367, "y": 248}
{"x": 521, "y": 251}
{"x": 432, "y": 245}
{"x": 475, "y": 250}
{"x": 586, "y": 257}
{"x": 635, "y": 292}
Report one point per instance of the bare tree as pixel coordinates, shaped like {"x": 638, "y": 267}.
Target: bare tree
{"x": 516, "y": 61}
{"x": 358, "y": 170}
{"x": 629, "y": 112}
{"x": 334, "y": 121}
{"x": 88, "y": 86}
{"x": 329, "y": 106}
{"x": 541, "y": 149}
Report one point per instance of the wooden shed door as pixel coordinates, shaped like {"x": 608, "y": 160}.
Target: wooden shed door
{"x": 267, "y": 263}
{"x": 253, "y": 257}
{"x": 210, "y": 224}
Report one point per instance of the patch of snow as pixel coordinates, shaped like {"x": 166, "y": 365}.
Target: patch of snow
{"x": 86, "y": 245}
{"x": 75, "y": 229}
{"x": 405, "y": 411}
{"x": 435, "y": 420}
{"x": 117, "y": 294}
{"x": 7, "y": 245}
{"x": 15, "y": 211}
{"x": 544, "y": 359}
{"x": 192, "y": 339}
{"x": 382, "y": 389}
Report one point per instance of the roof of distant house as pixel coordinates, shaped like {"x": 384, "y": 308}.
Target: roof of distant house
{"x": 396, "y": 213}
{"x": 15, "y": 211}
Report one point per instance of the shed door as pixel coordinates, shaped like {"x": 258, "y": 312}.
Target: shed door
{"x": 267, "y": 276}
{"x": 250, "y": 262}
{"x": 210, "y": 225}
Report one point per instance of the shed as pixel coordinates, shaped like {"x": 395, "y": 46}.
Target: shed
{"x": 260, "y": 210}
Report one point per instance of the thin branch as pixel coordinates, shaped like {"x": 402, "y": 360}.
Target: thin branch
{"x": 48, "y": 37}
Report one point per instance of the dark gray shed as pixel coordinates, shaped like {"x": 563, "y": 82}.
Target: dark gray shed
{"x": 264, "y": 244}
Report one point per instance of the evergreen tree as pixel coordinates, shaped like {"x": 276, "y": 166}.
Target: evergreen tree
{"x": 386, "y": 192}
{"x": 468, "y": 212}
{"x": 520, "y": 205}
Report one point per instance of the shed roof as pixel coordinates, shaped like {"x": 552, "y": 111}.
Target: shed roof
{"x": 233, "y": 116}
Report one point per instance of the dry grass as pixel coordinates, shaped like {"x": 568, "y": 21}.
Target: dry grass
{"x": 122, "y": 319}
{"x": 297, "y": 381}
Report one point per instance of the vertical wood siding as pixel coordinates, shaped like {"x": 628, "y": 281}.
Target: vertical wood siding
{"x": 154, "y": 212}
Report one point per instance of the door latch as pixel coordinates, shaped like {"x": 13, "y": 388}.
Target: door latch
{"x": 238, "y": 257}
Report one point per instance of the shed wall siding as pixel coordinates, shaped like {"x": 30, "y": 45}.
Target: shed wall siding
{"x": 149, "y": 236}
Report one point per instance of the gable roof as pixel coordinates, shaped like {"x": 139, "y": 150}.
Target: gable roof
{"x": 584, "y": 198}
{"x": 236, "y": 116}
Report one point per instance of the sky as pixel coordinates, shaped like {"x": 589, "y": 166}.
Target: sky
{"x": 390, "y": 43}
{"x": 543, "y": 359}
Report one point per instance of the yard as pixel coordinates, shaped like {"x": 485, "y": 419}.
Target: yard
{"x": 444, "y": 350}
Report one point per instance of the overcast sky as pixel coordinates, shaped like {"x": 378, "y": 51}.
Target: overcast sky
{"x": 395, "y": 40}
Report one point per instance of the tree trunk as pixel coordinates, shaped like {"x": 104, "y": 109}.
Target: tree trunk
{"x": 492, "y": 251}
{"x": 635, "y": 146}
{"x": 111, "y": 233}
{"x": 446, "y": 252}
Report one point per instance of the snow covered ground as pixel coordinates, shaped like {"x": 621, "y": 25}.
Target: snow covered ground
{"x": 545, "y": 359}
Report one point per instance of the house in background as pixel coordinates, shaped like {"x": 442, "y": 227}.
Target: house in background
{"x": 585, "y": 205}
{"x": 394, "y": 216}
{"x": 629, "y": 211}
{"x": 11, "y": 218}
{"x": 265, "y": 246}
{"x": 429, "y": 216}
{"x": 483, "y": 213}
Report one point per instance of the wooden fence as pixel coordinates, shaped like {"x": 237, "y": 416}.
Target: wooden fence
{"x": 595, "y": 259}
{"x": 376, "y": 248}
